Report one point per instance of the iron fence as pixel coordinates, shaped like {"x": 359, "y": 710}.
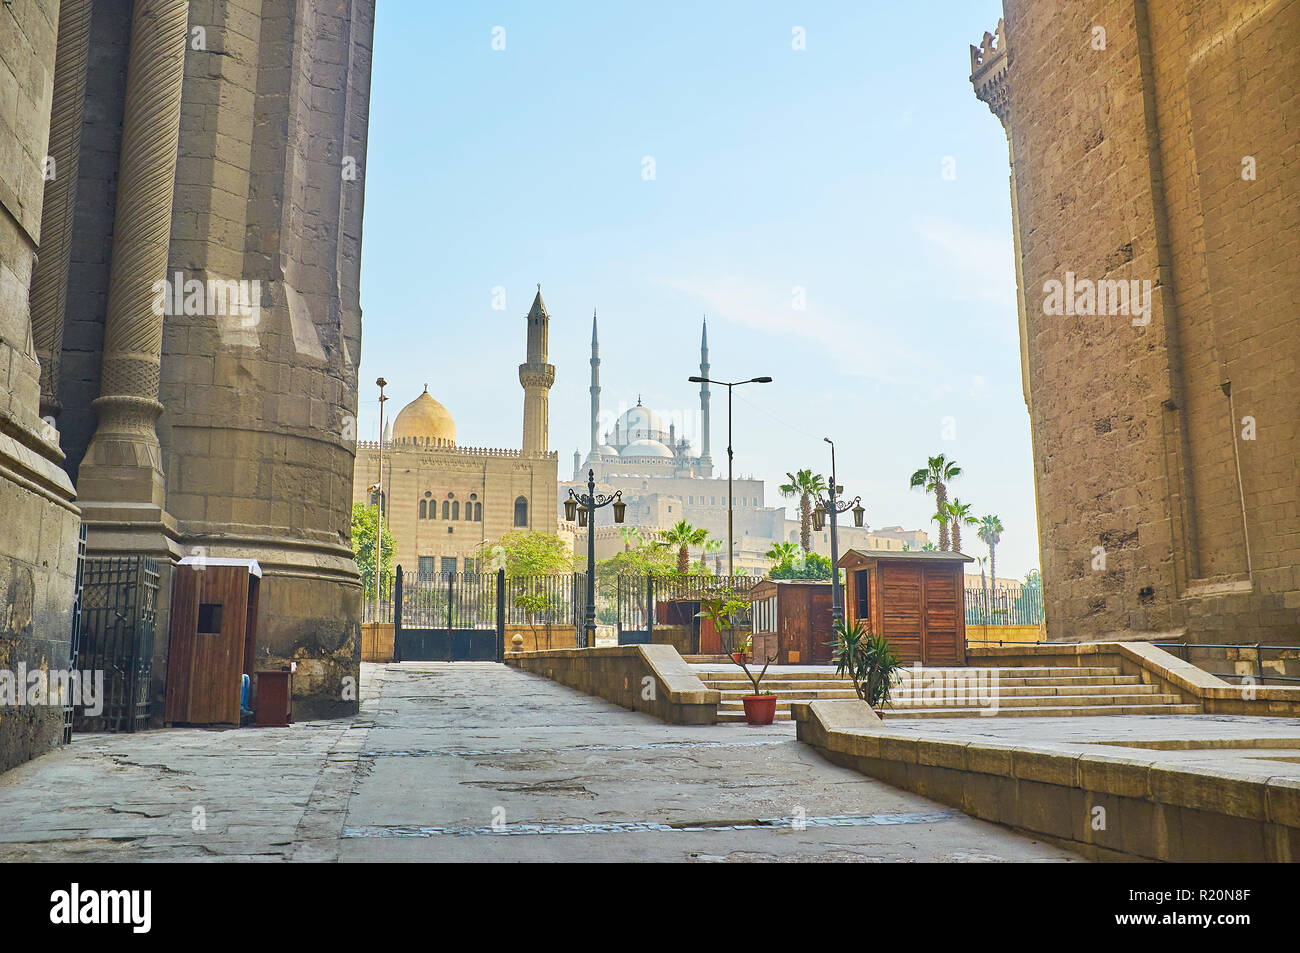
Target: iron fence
{"x": 385, "y": 608}
{"x": 1255, "y": 650}
{"x": 1004, "y": 605}
{"x": 119, "y": 599}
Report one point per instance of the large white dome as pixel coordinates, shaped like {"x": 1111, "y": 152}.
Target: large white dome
{"x": 646, "y": 448}
{"x": 638, "y": 423}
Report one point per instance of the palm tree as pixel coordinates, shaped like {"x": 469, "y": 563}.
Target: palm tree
{"x": 990, "y": 532}
{"x": 781, "y": 552}
{"x": 683, "y": 536}
{"x": 631, "y": 537}
{"x": 712, "y": 546}
{"x": 805, "y": 485}
{"x": 959, "y": 514}
{"x": 934, "y": 479}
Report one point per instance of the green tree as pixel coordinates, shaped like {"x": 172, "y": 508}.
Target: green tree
{"x": 781, "y": 553}
{"x": 802, "y": 566}
{"x": 934, "y": 478}
{"x": 526, "y": 553}
{"x": 631, "y": 537}
{"x": 806, "y": 486}
{"x": 364, "y": 519}
{"x": 958, "y": 516}
{"x": 683, "y": 536}
{"x": 990, "y": 532}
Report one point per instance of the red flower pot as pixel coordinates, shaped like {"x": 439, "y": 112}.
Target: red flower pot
{"x": 759, "y": 709}
{"x": 737, "y": 657}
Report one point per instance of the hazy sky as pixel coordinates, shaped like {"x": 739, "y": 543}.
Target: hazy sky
{"x": 780, "y": 177}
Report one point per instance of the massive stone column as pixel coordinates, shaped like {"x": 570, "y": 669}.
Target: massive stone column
{"x": 121, "y": 477}
{"x": 50, "y": 279}
{"x": 38, "y": 519}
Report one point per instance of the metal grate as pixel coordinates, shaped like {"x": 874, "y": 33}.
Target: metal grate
{"x": 74, "y": 644}
{"x": 119, "y": 600}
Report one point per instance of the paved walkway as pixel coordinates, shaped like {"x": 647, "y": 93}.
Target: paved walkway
{"x": 476, "y": 762}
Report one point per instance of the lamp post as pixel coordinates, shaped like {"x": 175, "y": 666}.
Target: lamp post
{"x": 833, "y": 508}
{"x": 379, "y": 520}
{"x": 731, "y": 547}
{"x": 586, "y": 516}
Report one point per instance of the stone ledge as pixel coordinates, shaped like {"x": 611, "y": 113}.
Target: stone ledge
{"x": 1156, "y": 666}
{"x": 1154, "y": 810}
{"x": 617, "y": 673}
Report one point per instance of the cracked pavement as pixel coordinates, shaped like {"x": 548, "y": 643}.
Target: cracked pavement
{"x": 445, "y": 759}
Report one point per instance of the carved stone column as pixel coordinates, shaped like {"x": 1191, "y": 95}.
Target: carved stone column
{"x": 121, "y": 478}
{"x": 50, "y": 278}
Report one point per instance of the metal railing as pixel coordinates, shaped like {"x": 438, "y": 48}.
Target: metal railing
{"x": 1258, "y": 648}
{"x": 1004, "y": 605}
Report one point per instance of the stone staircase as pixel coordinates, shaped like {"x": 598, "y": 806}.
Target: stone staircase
{"x": 1055, "y": 691}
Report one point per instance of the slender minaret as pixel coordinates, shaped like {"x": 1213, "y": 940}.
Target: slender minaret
{"x": 536, "y": 376}
{"x": 706, "y": 461}
{"x": 595, "y": 387}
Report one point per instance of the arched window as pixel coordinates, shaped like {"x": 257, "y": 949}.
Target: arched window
{"x": 478, "y": 512}
{"x": 469, "y": 511}
{"x": 521, "y": 512}
{"x": 446, "y": 510}
{"x": 424, "y": 510}
{"x": 455, "y": 509}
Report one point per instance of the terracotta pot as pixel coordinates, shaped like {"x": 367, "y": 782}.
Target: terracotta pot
{"x": 737, "y": 657}
{"x": 759, "y": 709}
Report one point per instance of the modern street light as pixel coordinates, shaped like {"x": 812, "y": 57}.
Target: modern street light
{"x": 833, "y": 508}
{"x": 379, "y": 520}
{"x": 586, "y": 516}
{"x": 731, "y": 547}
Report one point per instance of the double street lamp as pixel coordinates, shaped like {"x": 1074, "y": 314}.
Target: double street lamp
{"x": 830, "y": 506}
{"x": 583, "y": 506}
{"x": 731, "y": 548}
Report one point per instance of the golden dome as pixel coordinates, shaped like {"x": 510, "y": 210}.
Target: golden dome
{"x": 426, "y": 422}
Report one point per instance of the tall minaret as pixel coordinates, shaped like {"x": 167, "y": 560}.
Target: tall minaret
{"x": 537, "y": 376}
{"x": 706, "y": 461}
{"x": 595, "y": 387}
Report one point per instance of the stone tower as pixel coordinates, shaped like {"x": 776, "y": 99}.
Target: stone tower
{"x": 595, "y": 388}
{"x": 536, "y": 376}
{"x": 706, "y": 461}
{"x": 1153, "y": 154}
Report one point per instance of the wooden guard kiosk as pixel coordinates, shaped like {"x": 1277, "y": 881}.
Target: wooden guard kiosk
{"x": 213, "y": 639}
{"x": 917, "y": 600}
{"x": 792, "y": 620}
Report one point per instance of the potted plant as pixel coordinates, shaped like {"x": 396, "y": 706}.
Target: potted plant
{"x": 868, "y": 660}
{"x": 722, "y": 611}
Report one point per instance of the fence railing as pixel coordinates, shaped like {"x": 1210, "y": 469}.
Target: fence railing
{"x": 1255, "y": 651}
{"x": 1004, "y": 606}
{"x": 669, "y": 588}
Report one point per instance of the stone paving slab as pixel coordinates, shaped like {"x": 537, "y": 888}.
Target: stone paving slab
{"x": 442, "y": 751}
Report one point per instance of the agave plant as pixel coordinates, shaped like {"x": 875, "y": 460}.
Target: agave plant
{"x": 867, "y": 659}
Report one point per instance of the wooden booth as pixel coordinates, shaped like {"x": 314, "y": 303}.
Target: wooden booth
{"x": 213, "y": 639}
{"x": 792, "y": 620}
{"x": 917, "y": 600}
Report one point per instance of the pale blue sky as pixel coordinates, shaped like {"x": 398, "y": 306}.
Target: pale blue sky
{"x": 775, "y": 169}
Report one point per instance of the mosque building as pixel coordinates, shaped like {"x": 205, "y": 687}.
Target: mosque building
{"x": 445, "y": 503}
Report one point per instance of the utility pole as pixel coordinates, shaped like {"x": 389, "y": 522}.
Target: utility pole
{"x": 379, "y": 522}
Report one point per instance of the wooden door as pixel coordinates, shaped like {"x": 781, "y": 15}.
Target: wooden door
{"x": 822, "y": 616}
{"x": 206, "y": 650}
{"x": 943, "y": 640}
{"x": 900, "y": 610}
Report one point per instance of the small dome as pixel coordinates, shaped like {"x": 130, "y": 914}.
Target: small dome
{"x": 426, "y": 422}
{"x": 605, "y": 450}
{"x": 646, "y": 448}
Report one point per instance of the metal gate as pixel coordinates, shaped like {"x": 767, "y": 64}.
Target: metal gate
{"x": 635, "y": 600}
{"x": 448, "y": 617}
{"x": 119, "y": 599}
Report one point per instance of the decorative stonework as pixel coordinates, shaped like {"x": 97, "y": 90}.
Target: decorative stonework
{"x": 989, "y": 65}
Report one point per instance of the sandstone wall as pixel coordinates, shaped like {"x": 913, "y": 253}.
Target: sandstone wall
{"x": 1128, "y": 164}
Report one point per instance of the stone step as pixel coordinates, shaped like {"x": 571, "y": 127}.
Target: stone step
{"x": 776, "y": 684}
{"x": 1049, "y": 672}
{"x": 1003, "y": 691}
{"x": 1031, "y": 701}
{"x": 1056, "y": 712}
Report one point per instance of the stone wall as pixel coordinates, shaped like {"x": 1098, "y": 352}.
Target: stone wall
{"x": 1166, "y": 157}
{"x": 38, "y": 519}
{"x": 648, "y": 678}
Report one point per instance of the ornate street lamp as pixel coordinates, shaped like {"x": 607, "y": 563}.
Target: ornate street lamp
{"x": 731, "y": 548}
{"x": 584, "y": 506}
{"x": 832, "y": 507}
